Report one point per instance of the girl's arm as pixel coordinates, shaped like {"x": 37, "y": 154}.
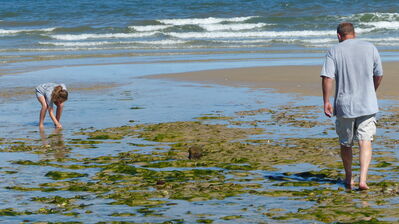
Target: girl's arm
{"x": 51, "y": 113}
{"x": 60, "y": 107}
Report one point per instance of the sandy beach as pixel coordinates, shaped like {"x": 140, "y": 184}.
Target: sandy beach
{"x": 190, "y": 112}
{"x": 303, "y": 80}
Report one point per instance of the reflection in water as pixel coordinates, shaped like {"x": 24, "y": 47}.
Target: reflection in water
{"x": 54, "y": 143}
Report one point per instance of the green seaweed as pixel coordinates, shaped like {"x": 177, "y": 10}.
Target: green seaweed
{"x": 9, "y": 212}
{"x": 100, "y": 137}
{"x": 383, "y": 164}
{"x": 121, "y": 168}
{"x": 60, "y": 175}
{"x": 204, "y": 221}
{"x": 213, "y": 118}
{"x": 232, "y": 217}
{"x": 138, "y": 178}
{"x": 136, "y": 108}
{"x": 123, "y": 214}
{"x": 297, "y": 184}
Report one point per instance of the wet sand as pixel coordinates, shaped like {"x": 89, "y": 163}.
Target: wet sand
{"x": 285, "y": 79}
{"x": 21, "y": 92}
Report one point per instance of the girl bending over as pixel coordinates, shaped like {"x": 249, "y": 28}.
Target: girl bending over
{"x": 49, "y": 94}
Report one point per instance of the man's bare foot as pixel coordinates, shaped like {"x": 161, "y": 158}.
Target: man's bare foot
{"x": 363, "y": 187}
{"x": 349, "y": 184}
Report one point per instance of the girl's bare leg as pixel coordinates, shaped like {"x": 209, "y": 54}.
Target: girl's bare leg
{"x": 42, "y": 115}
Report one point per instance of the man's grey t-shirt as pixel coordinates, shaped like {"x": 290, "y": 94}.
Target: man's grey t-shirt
{"x": 353, "y": 63}
{"x": 46, "y": 90}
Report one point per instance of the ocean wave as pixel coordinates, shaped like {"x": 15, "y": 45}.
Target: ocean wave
{"x": 199, "y": 21}
{"x": 373, "y": 17}
{"x": 384, "y": 39}
{"x": 264, "y": 34}
{"x": 161, "y": 42}
{"x": 101, "y": 36}
{"x": 320, "y": 41}
{"x": 76, "y": 44}
{"x": 244, "y": 41}
{"x": 364, "y": 30}
{"x": 233, "y": 27}
{"x": 102, "y": 43}
{"x": 76, "y": 29}
{"x": 383, "y": 24}
{"x": 282, "y": 40}
{"x": 3, "y": 31}
{"x": 149, "y": 28}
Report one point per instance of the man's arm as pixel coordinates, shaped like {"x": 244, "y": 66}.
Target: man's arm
{"x": 377, "y": 69}
{"x": 377, "y": 81}
{"x": 327, "y": 84}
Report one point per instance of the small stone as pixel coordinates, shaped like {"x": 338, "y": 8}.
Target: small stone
{"x": 195, "y": 152}
{"x": 160, "y": 182}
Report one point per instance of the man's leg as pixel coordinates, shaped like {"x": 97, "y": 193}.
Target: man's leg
{"x": 346, "y": 155}
{"x": 366, "y": 129}
{"x": 365, "y": 159}
{"x": 345, "y": 130}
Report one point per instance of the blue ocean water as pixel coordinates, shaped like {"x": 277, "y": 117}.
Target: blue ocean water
{"x": 58, "y": 28}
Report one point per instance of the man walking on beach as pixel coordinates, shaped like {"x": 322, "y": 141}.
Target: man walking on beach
{"x": 356, "y": 67}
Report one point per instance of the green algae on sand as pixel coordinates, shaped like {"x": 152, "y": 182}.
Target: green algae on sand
{"x": 147, "y": 180}
{"x": 60, "y": 175}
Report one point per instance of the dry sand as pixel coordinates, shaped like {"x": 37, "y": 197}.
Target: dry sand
{"x": 287, "y": 79}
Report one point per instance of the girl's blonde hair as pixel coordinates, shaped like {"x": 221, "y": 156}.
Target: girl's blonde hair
{"x": 59, "y": 94}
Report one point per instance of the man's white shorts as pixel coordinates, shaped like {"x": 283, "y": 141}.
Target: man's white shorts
{"x": 360, "y": 128}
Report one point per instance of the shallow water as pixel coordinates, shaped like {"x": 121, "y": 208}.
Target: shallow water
{"x": 136, "y": 100}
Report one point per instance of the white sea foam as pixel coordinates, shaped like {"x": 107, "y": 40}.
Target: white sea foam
{"x": 245, "y": 41}
{"x": 383, "y": 39}
{"x": 284, "y": 40}
{"x": 161, "y": 42}
{"x": 387, "y": 41}
{"x": 76, "y": 44}
{"x": 384, "y": 24}
{"x": 319, "y": 45}
{"x": 3, "y": 31}
{"x": 101, "y": 36}
{"x": 198, "y": 21}
{"x": 387, "y": 44}
{"x": 233, "y": 27}
{"x": 102, "y": 43}
{"x": 264, "y": 34}
{"x": 315, "y": 42}
{"x": 149, "y": 28}
{"x": 321, "y": 41}
{"x": 364, "y": 30}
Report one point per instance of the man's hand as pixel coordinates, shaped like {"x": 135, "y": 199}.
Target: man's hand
{"x": 328, "y": 109}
